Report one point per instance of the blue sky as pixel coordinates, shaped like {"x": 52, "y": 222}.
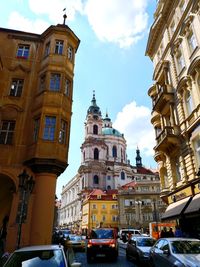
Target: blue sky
{"x": 110, "y": 60}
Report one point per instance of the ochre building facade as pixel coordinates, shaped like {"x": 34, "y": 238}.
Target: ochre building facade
{"x": 36, "y": 81}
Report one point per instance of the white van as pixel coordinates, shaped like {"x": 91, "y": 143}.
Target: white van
{"x": 134, "y": 232}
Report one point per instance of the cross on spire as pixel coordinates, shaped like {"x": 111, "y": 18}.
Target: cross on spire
{"x": 64, "y": 16}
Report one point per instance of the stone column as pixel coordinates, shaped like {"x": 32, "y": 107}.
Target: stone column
{"x": 43, "y": 209}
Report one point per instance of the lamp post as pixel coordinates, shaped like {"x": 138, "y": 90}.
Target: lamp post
{"x": 26, "y": 184}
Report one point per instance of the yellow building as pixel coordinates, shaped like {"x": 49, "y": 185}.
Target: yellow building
{"x": 174, "y": 48}
{"x": 36, "y": 81}
{"x": 99, "y": 208}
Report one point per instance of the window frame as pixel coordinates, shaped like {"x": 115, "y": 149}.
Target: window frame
{"x": 7, "y": 133}
{"x": 59, "y": 45}
{"x": 23, "y": 51}
{"x": 55, "y": 82}
{"x": 49, "y": 130}
{"x": 16, "y": 87}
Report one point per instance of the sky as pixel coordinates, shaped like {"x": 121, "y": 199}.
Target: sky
{"x": 110, "y": 60}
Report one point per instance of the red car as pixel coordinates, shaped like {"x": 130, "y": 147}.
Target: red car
{"x": 102, "y": 242}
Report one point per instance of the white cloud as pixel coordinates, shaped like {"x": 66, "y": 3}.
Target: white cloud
{"x": 54, "y": 8}
{"x": 117, "y": 21}
{"x": 18, "y": 22}
{"x": 134, "y": 122}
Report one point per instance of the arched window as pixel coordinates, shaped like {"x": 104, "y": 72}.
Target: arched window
{"x": 96, "y": 153}
{"x": 122, "y": 175}
{"x": 95, "y": 129}
{"x": 96, "y": 179}
{"x": 114, "y": 151}
{"x": 108, "y": 187}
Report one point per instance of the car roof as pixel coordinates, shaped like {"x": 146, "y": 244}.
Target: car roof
{"x": 40, "y": 247}
{"x": 180, "y": 239}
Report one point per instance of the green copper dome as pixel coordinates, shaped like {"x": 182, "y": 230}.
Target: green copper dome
{"x": 111, "y": 131}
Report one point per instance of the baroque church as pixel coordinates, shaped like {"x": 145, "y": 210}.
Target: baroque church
{"x": 104, "y": 169}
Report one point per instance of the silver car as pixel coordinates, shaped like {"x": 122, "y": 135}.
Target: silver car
{"x": 40, "y": 256}
{"x": 175, "y": 252}
{"x": 138, "y": 248}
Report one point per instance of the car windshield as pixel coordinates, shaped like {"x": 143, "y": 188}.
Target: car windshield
{"x": 102, "y": 233}
{"x": 145, "y": 242}
{"x": 44, "y": 258}
{"x": 185, "y": 246}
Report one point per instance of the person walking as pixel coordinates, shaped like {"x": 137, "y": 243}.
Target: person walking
{"x": 178, "y": 232}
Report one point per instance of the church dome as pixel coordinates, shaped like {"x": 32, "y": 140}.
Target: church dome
{"x": 111, "y": 131}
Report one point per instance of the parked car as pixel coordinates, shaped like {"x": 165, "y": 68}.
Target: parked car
{"x": 138, "y": 248}
{"x": 102, "y": 242}
{"x": 76, "y": 242}
{"x": 42, "y": 256}
{"x": 123, "y": 233}
{"x": 175, "y": 252}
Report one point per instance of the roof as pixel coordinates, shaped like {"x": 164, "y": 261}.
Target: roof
{"x": 144, "y": 170}
{"x": 111, "y": 131}
{"x": 128, "y": 185}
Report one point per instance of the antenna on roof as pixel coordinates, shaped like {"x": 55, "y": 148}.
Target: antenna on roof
{"x": 64, "y": 16}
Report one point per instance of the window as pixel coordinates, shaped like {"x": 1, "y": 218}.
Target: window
{"x": 103, "y": 218}
{"x": 23, "y": 51}
{"x": 178, "y": 170}
{"x": 122, "y": 176}
{"x": 114, "y": 206}
{"x": 7, "y": 132}
{"x": 196, "y": 143}
{"x": 108, "y": 178}
{"x": 42, "y": 83}
{"x": 67, "y": 87}
{"x": 49, "y": 128}
{"x": 103, "y": 206}
{"x": 94, "y": 206}
{"x": 114, "y": 151}
{"x": 59, "y": 47}
{"x": 36, "y": 129}
{"x": 47, "y": 49}
{"x": 96, "y": 153}
{"x": 96, "y": 179}
{"x": 55, "y": 82}
{"x": 172, "y": 28}
{"x": 95, "y": 129}
{"x": 188, "y": 102}
{"x": 16, "y": 87}
{"x": 182, "y": 6}
{"x": 180, "y": 60}
{"x": 115, "y": 218}
{"x": 192, "y": 41}
{"x": 70, "y": 53}
{"x": 62, "y": 133}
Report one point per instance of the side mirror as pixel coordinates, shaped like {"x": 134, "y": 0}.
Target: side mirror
{"x": 166, "y": 252}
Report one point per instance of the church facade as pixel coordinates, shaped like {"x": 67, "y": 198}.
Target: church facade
{"x": 104, "y": 166}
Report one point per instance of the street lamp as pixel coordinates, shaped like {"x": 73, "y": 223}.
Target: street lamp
{"x": 25, "y": 188}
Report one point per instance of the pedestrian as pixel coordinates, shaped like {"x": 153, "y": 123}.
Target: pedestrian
{"x": 164, "y": 232}
{"x": 178, "y": 232}
{"x": 170, "y": 233}
{"x": 129, "y": 236}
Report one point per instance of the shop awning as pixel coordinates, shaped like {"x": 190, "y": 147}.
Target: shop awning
{"x": 194, "y": 205}
{"x": 175, "y": 209}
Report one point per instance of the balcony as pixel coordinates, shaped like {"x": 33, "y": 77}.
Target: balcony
{"x": 167, "y": 140}
{"x": 162, "y": 100}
